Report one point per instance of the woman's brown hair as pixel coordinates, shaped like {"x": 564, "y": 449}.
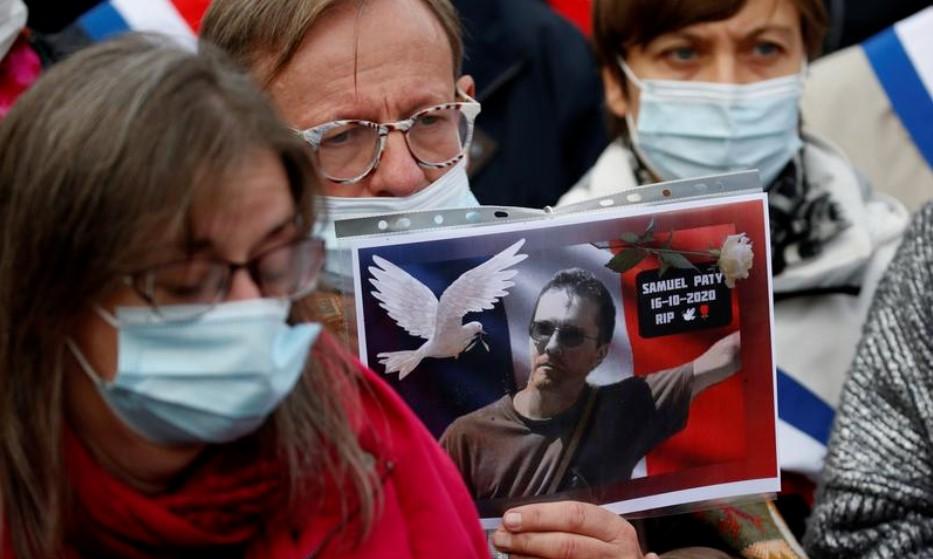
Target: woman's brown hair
{"x": 104, "y": 154}
{"x": 622, "y": 24}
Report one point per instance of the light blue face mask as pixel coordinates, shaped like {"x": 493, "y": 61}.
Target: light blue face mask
{"x": 212, "y": 379}
{"x": 450, "y": 191}
{"x": 690, "y": 129}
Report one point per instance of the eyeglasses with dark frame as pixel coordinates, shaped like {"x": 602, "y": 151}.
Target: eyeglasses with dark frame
{"x": 185, "y": 289}
{"x": 346, "y": 151}
{"x": 567, "y": 336}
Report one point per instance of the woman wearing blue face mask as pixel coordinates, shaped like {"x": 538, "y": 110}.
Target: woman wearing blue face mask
{"x": 164, "y": 390}
{"x": 700, "y": 88}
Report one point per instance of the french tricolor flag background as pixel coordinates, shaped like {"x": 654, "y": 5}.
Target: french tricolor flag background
{"x": 901, "y": 59}
{"x": 177, "y": 18}
{"x": 730, "y": 435}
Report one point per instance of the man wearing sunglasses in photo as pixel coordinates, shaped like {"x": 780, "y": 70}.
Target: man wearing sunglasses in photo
{"x": 560, "y": 433}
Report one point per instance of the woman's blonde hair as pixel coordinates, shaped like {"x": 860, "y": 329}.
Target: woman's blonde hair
{"x": 104, "y": 154}
{"x": 271, "y": 31}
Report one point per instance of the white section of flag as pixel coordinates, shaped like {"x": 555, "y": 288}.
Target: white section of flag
{"x": 158, "y": 16}
{"x": 799, "y": 452}
{"x": 916, "y": 36}
{"x": 519, "y": 306}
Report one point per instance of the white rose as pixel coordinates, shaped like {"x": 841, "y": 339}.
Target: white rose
{"x": 735, "y": 258}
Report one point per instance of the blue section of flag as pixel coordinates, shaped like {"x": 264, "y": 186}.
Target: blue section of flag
{"x": 803, "y": 409}
{"x": 439, "y": 390}
{"x": 904, "y": 88}
{"x": 103, "y": 21}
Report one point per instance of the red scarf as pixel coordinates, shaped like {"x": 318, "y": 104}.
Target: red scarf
{"x": 223, "y": 504}
{"x": 232, "y": 505}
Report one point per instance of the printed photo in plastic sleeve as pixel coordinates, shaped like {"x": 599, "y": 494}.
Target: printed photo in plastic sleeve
{"x": 622, "y": 357}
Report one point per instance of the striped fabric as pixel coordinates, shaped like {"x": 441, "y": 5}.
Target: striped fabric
{"x": 177, "y": 18}
{"x": 900, "y": 58}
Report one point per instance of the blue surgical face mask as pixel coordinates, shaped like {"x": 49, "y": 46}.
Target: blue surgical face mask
{"x": 689, "y": 129}
{"x": 450, "y": 191}
{"x": 212, "y": 379}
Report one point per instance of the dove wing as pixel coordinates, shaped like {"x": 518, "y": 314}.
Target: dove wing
{"x": 407, "y": 301}
{"x": 479, "y": 288}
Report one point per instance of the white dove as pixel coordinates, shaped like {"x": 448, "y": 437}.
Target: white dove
{"x": 417, "y": 310}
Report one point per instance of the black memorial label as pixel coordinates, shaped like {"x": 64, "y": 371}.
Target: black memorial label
{"x": 682, "y": 300}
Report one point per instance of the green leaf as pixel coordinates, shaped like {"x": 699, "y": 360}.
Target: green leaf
{"x": 664, "y": 268}
{"x": 630, "y": 238}
{"x": 626, "y": 260}
{"x": 676, "y": 260}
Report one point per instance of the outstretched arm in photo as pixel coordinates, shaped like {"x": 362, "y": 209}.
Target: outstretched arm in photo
{"x": 717, "y": 363}
{"x": 674, "y": 389}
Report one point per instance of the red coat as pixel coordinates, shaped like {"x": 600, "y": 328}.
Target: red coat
{"x": 428, "y": 512}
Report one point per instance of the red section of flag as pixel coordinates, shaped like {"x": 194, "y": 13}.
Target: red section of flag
{"x": 18, "y": 70}
{"x": 715, "y": 428}
{"x": 192, "y": 11}
{"x": 730, "y": 433}
{"x": 577, "y": 11}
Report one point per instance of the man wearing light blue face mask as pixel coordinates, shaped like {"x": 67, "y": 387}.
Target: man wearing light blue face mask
{"x": 374, "y": 87}
{"x": 699, "y": 88}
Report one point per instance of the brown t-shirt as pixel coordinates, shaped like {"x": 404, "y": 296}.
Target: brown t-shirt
{"x": 502, "y": 454}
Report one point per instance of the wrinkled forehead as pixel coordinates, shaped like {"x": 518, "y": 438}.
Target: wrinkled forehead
{"x": 752, "y": 17}
{"x": 757, "y": 14}
{"x": 379, "y": 51}
{"x": 362, "y": 33}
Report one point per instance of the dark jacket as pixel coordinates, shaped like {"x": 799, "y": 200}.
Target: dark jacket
{"x": 542, "y": 122}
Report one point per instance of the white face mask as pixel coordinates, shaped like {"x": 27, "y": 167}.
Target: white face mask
{"x": 12, "y": 20}
{"x": 450, "y": 191}
{"x": 689, "y": 129}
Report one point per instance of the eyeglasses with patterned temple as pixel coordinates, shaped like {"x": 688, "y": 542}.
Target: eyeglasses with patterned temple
{"x": 567, "y": 336}
{"x": 185, "y": 289}
{"x": 346, "y": 151}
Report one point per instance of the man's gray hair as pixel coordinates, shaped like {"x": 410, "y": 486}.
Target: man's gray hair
{"x": 264, "y": 35}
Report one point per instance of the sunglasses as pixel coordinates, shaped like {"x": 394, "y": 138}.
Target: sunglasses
{"x": 541, "y": 331}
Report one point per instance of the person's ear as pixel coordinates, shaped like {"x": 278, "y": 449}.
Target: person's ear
{"x": 466, "y": 84}
{"x": 616, "y": 99}
{"x": 601, "y": 353}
